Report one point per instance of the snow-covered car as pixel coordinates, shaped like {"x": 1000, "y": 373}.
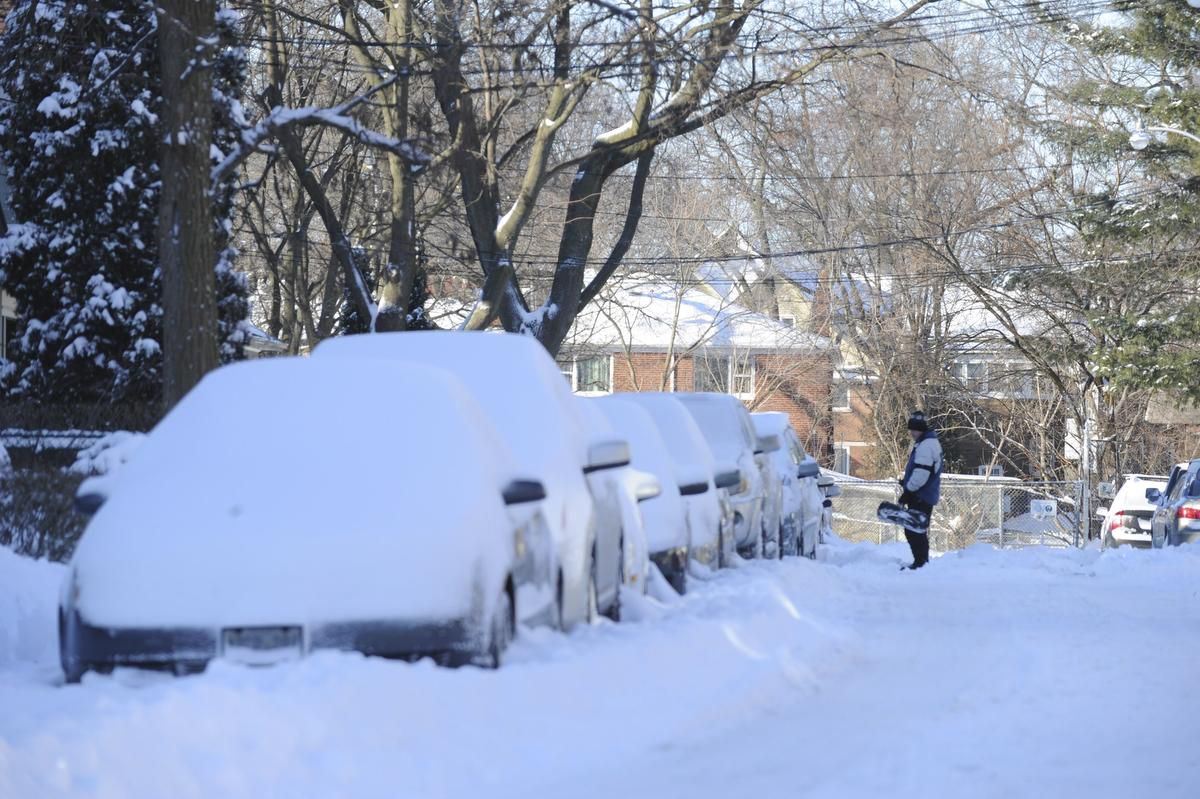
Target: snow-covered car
{"x": 665, "y": 516}
{"x": 800, "y": 498}
{"x": 730, "y": 434}
{"x": 521, "y": 389}
{"x": 1176, "y": 508}
{"x": 622, "y": 490}
{"x": 386, "y": 547}
{"x": 703, "y": 486}
{"x": 1128, "y": 518}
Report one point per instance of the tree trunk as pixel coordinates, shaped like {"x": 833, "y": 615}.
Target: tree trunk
{"x": 396, "y": 286}
{"x": 185, "y": 228}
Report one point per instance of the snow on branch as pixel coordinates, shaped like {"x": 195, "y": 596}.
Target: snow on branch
{"x": 253, "y": 139}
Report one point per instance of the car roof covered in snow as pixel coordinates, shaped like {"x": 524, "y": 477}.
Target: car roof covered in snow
{"x": 721, "y": 419}
{"x": 683, "y": 437}
{"x": 513, "y": 376}
{"x": 768, "y": 422}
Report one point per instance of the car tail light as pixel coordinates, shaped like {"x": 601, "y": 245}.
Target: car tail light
{"x": 1117, "y": 521}
{"x": 1188, "y": 512}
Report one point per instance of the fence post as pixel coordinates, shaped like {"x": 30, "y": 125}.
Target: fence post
{"x": 1000, "y": 512}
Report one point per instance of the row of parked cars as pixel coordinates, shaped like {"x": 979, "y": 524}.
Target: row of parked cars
{"x": 411, "y": 495}
{"x": 1155, "y": 510}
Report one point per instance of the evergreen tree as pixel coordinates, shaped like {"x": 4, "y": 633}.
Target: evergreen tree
{"x": 1144, "y": 235}
{"x": 79, "y": 138}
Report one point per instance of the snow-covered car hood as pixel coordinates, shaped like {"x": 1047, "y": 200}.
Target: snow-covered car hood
{"x": 344, "y": 527}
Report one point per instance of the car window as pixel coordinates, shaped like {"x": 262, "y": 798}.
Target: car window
{"x": 1174, "y": 483}
{"x": 1193, "y": 481}
{"x": 796, "y": 449}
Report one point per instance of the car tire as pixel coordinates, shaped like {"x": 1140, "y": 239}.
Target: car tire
{"x": 614, "y": 612}
{"x": 503, "y": 631}
{"x": 593, "y": 599}
{"x": 1107, "y": 541}
{"x": 559, "y": 619}
{"x": 73, "y": 670}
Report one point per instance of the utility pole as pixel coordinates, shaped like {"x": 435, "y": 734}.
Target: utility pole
{"x": 186, "y": 40}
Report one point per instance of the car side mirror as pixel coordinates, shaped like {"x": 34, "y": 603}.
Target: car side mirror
{"x": 521, "y": 491}
{"x": 767, "y": 443}
{"x": 833, "y": 491}
{"x": 648, "y": 487}
{"x": 88, "y": 503}
{"x": 728, "y": 479}
{"x": 692, "y": 489}
{"x": 607, "y": 455}
{"x": 811, "y": 469}
{"x": 1153, "y": 495}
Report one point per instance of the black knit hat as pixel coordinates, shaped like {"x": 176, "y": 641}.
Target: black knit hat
{"x": 918, "y": 422}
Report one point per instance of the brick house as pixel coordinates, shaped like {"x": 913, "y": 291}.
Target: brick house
{"x": 648, "y": 333}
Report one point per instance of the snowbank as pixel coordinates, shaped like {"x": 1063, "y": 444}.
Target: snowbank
{"x": 28, "y": 607}
{"x": 989, "y": 673}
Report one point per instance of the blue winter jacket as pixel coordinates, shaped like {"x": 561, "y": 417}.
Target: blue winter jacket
{"x": 923, "y": 474}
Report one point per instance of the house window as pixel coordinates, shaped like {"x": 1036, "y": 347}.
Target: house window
{"x": 790, "y": 321}
{"x": 840, "y": 400}
{"x": 590, "y": 374}
{"x": 724, "y": 374}
{"x": 988, "y": 470}
{"x": 742, "y": 376}
{"x": 841, "y": 459}
{"x": 973, "y": 375}
{"x": 593, "y": 374}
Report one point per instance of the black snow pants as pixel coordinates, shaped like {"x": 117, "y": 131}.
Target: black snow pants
{"x": 919, "y": 542}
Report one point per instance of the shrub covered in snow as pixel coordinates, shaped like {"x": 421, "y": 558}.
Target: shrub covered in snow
{"x": 81, "y": 259}
{"x": 37, "y": 517}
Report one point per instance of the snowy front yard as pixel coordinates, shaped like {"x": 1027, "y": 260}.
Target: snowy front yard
{"x": 1018, "y": 673}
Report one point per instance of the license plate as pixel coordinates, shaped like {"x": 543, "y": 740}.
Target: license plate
{"x": 262, "y": 645}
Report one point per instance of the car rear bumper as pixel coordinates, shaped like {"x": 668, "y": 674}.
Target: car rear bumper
{"x": 85, "y": 647}
{"x": 1128, "y": 538}
{"x": 1186, "y": 536}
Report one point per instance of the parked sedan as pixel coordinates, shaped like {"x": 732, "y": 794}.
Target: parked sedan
{"x": 800, "y": 499}
{"x": 704, "y": 487}
{"x": 1129, "y": 516}
{"x": 665, "y": 515}
{"x": 193, "y": 554}
{"x": 545, "y": 428}
{"x": 730, "y": 434}
{"x": 1177, "y": 509}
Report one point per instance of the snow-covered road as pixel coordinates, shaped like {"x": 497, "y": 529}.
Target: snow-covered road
{"x": 1028, "y": 673}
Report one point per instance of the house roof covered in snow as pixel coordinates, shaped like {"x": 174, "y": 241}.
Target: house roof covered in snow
{"x": 652, "y": 313}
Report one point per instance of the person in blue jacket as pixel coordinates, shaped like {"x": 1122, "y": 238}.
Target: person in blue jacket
{"x": 921, "y": 485}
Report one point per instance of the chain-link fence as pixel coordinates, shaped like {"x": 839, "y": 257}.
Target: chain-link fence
{"x": 1005, "y": 513}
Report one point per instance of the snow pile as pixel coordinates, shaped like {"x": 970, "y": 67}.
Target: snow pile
{"x": 28, "y": 606}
